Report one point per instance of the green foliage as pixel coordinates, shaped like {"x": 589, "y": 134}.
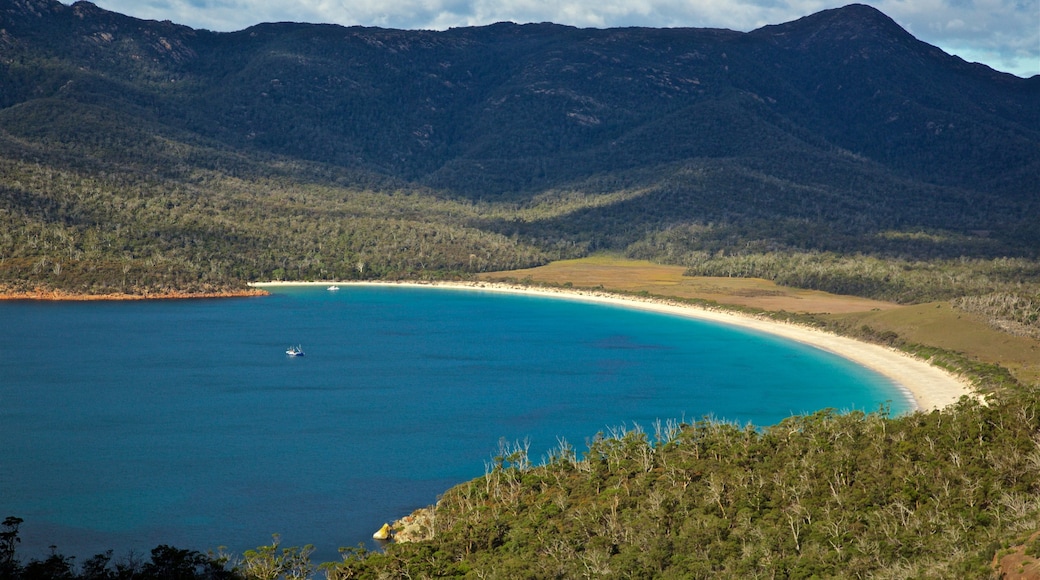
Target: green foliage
{"x": 172, "y": 563}
{"x": 93, "y": 231}
{"x": 1013, "y": 312}
{"x": 1032, "y": 547}
{"x": 1004, "y": 291}
{"x": 144, "y": 156}
{"x": 167, "y": 563}
{"x": 929, "y": 495}
{"x": 834, "y": 153}
{"x": 53, "y": 567}
{"x": 273, "y": 563}
{"x": 822, "y": 495}
{"x": 9, "y": 565}
{"x": 891, "y": 279}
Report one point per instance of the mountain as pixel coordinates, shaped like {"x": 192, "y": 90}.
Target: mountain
{"x": 320, "y": 150}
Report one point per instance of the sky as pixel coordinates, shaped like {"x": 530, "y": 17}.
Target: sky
{"x": 1003, "y": 34}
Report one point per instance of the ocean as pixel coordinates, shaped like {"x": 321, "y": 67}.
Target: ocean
{"x": 125, "y": 425}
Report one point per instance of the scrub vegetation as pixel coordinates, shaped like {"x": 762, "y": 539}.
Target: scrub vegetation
{"x": 826, "y": 495}
{"x": 144, "y": 157}
{"x": 931, "y": 495}
{"x": 832, "y": 154}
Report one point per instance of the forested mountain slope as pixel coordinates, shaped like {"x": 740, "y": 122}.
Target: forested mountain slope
{"x": 834, "y": 152}
{"x": 191, "y": 158}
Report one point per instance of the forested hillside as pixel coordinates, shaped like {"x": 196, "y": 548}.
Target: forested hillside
{"x": 142, "y": 156}
{"x": 819, "y": 496}
{"x": 835, "y": 152}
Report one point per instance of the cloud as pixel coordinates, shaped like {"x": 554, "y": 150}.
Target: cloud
{"x": 1005, "y": 34}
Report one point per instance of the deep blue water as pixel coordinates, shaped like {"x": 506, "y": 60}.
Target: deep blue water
{"x": 125, "y": 425}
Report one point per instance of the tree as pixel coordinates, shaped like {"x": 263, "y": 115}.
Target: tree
{"x": 169, "y": 563}
{"x": 270, "y": 563}
{"x": 54, "y": 567}
{"x": 9, "y": 566}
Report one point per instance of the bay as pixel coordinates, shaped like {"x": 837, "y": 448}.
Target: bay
{"x": 125, "y": 425}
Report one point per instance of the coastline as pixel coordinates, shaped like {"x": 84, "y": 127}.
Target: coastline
{"x": 59, "y": 295}
{"x": 928, "y": 387}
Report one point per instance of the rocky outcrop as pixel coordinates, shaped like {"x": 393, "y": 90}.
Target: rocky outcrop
{"x": 416, "y": 527}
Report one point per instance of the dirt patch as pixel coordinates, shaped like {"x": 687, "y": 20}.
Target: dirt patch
{"x": 1015, "y": 564}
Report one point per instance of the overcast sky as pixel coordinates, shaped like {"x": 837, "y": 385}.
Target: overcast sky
{"x": 1004, "y": 34}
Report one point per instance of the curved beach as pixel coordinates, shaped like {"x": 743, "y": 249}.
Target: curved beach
{"x": 929, "y": 386}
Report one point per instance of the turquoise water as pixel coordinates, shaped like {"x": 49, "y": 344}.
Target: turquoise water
{"x": 126, "y": 425}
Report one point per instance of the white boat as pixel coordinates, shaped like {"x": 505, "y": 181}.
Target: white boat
{"x": 332, "y": 288}
{"x": 294, "y": 351}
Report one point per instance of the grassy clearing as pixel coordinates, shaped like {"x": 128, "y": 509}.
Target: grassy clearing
{"x": 939, "y": 324}
{"x": 635, "y": 276}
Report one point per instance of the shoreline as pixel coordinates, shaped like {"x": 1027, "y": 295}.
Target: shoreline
{"x": 62, "y": 296}
{"x": 927, "y": 387}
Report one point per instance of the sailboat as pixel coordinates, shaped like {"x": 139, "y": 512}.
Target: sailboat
{"x": 294, "y": 351}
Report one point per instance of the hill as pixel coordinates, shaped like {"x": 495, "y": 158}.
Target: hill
{"x": 141, "y": 155}
{"x": 835, "y": 152}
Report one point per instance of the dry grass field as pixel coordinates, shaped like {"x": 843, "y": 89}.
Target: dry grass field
{"x": 937, "y": 324}
{"x": 933, "y": 324}
{"x": 639, "y": 276}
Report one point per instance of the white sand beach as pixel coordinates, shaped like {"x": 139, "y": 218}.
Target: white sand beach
{"x": 929, "y": 386}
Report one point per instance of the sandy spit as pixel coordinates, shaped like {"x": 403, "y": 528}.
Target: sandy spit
{"x": 930, "y": 387}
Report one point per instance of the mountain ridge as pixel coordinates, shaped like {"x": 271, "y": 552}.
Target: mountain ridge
{"x": 840, "y": 123}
